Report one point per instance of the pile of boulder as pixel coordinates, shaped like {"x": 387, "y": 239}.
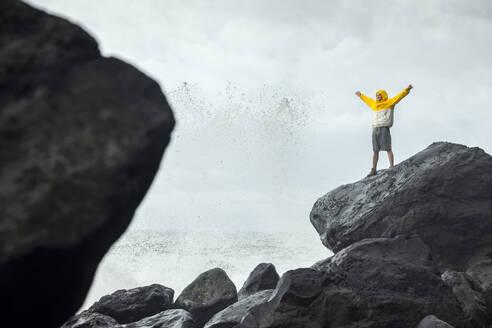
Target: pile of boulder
{"x": 211, "y": 300}
{"x": 411, "y": 249}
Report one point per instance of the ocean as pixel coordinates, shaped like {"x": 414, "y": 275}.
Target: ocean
{"x": 174, "y": 258}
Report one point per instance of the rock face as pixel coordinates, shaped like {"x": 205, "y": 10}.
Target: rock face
{"x": 264, "y": 276}
{"x": 211, "y": 292}
{"x": 442, "y": 194}
{"x": 82, "y": 137}
{"x": 131, "y": 305}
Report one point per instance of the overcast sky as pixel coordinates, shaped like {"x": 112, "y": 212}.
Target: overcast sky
{"x": 263, "y": 93}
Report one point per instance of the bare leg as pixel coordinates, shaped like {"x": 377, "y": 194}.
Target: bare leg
{"x": 390, "y": 157}
{"x": 375, "y": 158}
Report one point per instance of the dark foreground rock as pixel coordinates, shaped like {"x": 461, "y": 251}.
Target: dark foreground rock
{"x": 81, "y": 138}
{"x": 175, "y": 318}
{"x": 211, "y": 292}
{"x": 442, "y": 194}
{"x": 264, "y": 276}
{"x": 134, "y": 304}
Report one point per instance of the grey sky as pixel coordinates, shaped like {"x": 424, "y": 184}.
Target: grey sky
{"x": 268, "y": 120}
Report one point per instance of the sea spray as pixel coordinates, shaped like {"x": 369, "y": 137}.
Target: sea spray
{"x": 174, "y": 258}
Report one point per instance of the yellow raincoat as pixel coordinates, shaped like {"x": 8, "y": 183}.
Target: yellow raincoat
{"x": 383, "y": 110}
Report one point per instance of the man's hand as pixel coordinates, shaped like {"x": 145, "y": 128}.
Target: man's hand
{"x": 357, "y": 93}
{"x": 409, "y": 87}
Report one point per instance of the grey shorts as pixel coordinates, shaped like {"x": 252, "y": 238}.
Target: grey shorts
{"x": 381, "y": 138}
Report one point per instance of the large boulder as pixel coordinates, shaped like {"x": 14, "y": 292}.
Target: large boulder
{"x": 264, "y": 276}
{"x": 233, "y": 314}
{"x": 175, "y": 318}
{"x": 295, "y": 302}
{"x": 210, "y": 292}
{"x": 386, "y": 282}
{"x": 134, "y": 304}
{"x": 81, "y": 138}
{"x": 374, "y": 283}
{"x": 442, "y": 194}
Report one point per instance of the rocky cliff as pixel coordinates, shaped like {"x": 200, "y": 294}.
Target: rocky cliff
{"x": 82, "y": 137}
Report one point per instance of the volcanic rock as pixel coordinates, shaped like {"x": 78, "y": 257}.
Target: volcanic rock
{"x": 81, "y": 138}
{"x": 134, "y": 304}
{"x": 385, "y": 282}
{"x": 480, "y": 268}
{"x": 374, "y": 283}
{"x": 264, "y": 276}
{"x": 174, "y": 318}
{"x": 443, "y": 194}
{"x": 295, "y": 302}
{"x": 471, "y": 300}
{"x": 89, "y": 319}
{"x": 211, "y": 292}
{"x": 233, "y": 314}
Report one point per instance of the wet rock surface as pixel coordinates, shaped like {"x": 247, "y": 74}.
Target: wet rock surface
{"x": 131, "y": 305}
{"x": 443, "y": 194}
{"x": 211, "y": 292}
{"x": 81, "y": 138}
{"x": 264, "y": 276}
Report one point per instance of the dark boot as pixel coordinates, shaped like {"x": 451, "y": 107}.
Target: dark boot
{"x": 373, "y": 172}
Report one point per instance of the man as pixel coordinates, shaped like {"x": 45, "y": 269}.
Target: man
{"x": 382, "y": 121}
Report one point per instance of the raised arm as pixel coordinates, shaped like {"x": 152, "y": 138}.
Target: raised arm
{"x": 370, "y": 102}
{"x": 401, "y": 95}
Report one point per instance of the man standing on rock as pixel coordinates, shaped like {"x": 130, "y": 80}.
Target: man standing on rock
{"x": 382, "y": 121}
